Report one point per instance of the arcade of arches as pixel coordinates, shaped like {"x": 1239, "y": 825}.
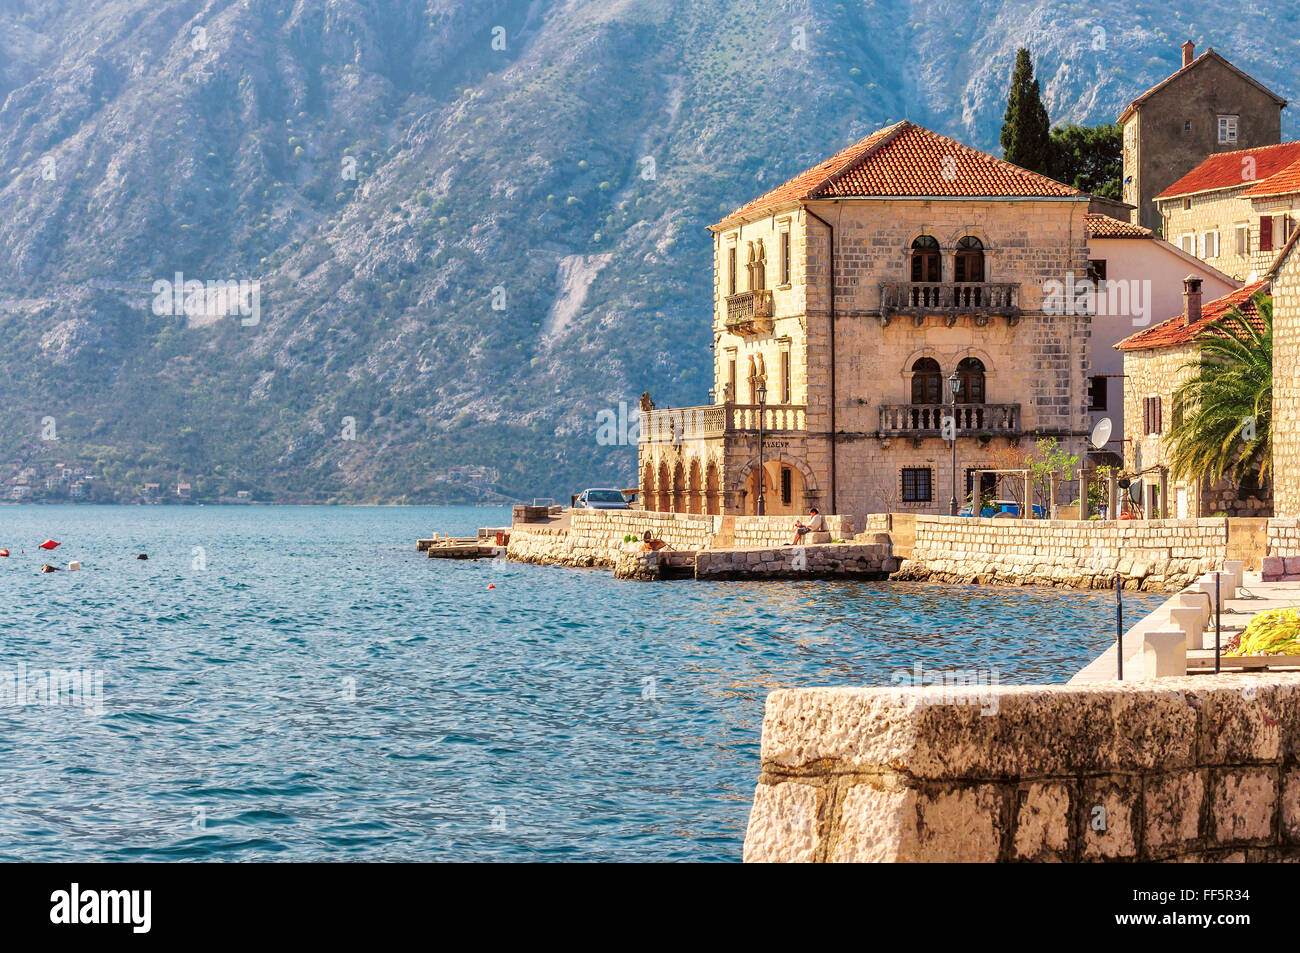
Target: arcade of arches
{"x": 692, "y": 486}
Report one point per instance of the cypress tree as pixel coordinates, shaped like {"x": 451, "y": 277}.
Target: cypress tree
{"x": 1026, "y": 132}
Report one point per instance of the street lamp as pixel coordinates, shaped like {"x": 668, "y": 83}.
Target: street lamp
{"x": 760, "y": 392}
{"x": 954, "y": 388}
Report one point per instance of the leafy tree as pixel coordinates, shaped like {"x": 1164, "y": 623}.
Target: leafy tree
{"x": 1089, "y": 158}
{"x": 1222, "y": 416}
{"x": 1026, "y": 135}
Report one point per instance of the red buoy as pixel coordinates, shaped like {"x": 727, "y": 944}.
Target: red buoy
{"x": 4, "y": 552}
{"x": 492, "y": 585}
{"x": 49, "y": 544}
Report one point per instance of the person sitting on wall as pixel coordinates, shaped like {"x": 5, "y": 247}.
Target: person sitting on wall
{"x": 816, "y": 524}
{"x": 650, "y": 544}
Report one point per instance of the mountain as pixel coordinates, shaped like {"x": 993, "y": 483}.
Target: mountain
{"x": 473, "y": 226}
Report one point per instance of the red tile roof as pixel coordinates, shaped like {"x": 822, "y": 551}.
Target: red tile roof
{"x": 1224, "y": 170}
{"x": 1103, "y": 226}
{"x": 1285, "y": 182}
{"x": 1176, "y": 331}
{"x": 906, "y": 160}
{"x": 1205, "y": 57}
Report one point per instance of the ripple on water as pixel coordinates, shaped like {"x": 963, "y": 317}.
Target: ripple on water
{"x": 321, "y": 690}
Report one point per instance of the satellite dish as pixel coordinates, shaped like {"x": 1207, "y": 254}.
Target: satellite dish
{"x": 1135, "y": 490}
{"x": 1101, "y": 433}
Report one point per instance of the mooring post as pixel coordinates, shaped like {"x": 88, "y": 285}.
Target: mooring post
{"x": 1119, "y": 625}
{"x": 1217, "y": 618}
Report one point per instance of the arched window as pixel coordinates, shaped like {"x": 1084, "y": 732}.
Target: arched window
{"x": 970, "y": 371}
{"x": 925, "y": 259}
{"x": 968, "y": 262}
{"x": 927, "y": 382}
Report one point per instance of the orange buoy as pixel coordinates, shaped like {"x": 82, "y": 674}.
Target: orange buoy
{"x": 49, "y": 544}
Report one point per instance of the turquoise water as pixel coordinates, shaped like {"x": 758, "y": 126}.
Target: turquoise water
{"x": 299, "y": 683}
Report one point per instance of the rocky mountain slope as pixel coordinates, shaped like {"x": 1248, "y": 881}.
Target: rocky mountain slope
{"x": 473, "y": 226}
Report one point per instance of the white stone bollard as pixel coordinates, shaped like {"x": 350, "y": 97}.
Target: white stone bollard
{"x": 1195, "y": 599}
{"x": 1164, "y": 654}
{"x": 1191, "y": 621}
{"x": 1235, "y": 569}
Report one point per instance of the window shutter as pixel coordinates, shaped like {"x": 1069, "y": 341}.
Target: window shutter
{"x": 1266, "y": 233}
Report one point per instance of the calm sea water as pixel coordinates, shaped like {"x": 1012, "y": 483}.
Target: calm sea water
{"x": 299, "y": 683}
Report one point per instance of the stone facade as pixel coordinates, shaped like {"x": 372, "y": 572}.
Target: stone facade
{"x": 1196, "y": 769}
{"x": 1286, "y": 384}
{"x": 1233, "y": 220}
{"x": 1173, "y": 126}
{"x": 1034, "y": 363}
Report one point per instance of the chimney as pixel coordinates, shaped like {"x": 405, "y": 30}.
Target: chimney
{"x": 1191, "y": 300}
{"x": 1189, "y": 53}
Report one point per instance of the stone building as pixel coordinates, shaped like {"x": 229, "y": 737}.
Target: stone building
{"x": 1285, "y": 277}
{"x": 1155, "y": 363}
{"x": 1142, "y": 280}
{"x": 844, "y": 300}
{"x": 1236, "y": 210}
{"x": 1205, "y": 107}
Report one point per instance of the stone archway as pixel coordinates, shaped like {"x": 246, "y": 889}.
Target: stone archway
{"x": 802, "y": 485}
{"x": 694, "y": 488}
{"x": 712, "y": 486}
{"x": 648, "y": 486}
{"x": 663, "y": 502}
{"x": 679, "y": 488}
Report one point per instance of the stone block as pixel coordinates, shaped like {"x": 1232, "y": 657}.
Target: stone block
{"x": 1108, "y": 808}
{"x": 1042, "y": 830}
{"x": 1172, "y": 806}
{"x": 1242, "y": 804}
{"x": 784, "y": 823}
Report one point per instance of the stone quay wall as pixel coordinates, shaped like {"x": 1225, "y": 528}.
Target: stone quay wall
{"x": 1200, "y": 768}
{"x": 596, "y": 538}
{"x": 1157, "y": 555}
{"x": 868, "y": 560}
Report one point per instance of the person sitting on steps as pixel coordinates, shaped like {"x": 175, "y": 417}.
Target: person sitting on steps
{"x": 816, "y": 524}
{"x": 650, "y": 544}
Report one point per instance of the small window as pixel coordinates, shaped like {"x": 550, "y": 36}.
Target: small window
{"x": 1187, "y": 205}
{"x": 925, "y": 259}
{"x": 787, "y": 483}
{"x": 1210, "y": 243}
{"x": 968, "y": 261}
{"x": 1187, "y": 126}
{"x": 1242, "y": 233}
{"x": 785, "y": 378}
{"x": 917, "y": 485}
{"x": 1152, "y": 422}
{"x": 731, "y": 380}
{"x": 1096, "y": 270}
{"x": 731, "y": 270}
{"x": 1227, "y": 130}
{"x": 927, "y": 381}
{"x": 1188, "y": 244}
{"x": 1097, "y": 392}
{"x": 785, "y": 258}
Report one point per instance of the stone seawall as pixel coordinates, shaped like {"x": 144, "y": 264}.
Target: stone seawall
{"x": 1158, "y": 555}
{"x": 866, "y": 560}
{"x": 1200, "y": 768}
{"x": 596, "y": 539}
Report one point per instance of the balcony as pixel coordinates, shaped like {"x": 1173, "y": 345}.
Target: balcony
{"x": 950, "y": 299}
{"x": 926, "y": 420}
{"x": 750, "y": 313}
{"x": 674, "y": 425}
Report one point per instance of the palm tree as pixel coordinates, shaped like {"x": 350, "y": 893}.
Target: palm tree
{"x": 1222, "y": 420}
